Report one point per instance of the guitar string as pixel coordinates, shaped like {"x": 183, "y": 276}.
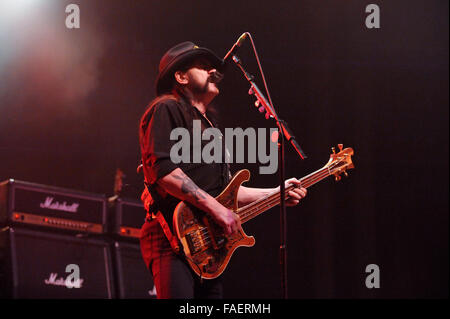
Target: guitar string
{"x": 289, "y": 188}
{"x": 269, "y": 203}
{"x": 204, "y": 230}
{"x": 255, "y": 210}
{"x": 204, "y": 233}
{"x": 312, "y": 176}
{"x": 205, "y": 239}
{"x": 305, "y": 183}
{"x": 252, "y": 212}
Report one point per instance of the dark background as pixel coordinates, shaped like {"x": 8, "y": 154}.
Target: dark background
{"x": 70, "y": 102}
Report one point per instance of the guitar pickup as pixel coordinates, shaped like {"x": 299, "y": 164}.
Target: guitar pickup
{"x": 216, "y": 243}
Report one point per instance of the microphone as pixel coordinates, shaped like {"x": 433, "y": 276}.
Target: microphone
{"x": 235, "y": 46}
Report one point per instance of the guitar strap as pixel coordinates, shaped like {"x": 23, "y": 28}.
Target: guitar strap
{"x": 153, "y": 207}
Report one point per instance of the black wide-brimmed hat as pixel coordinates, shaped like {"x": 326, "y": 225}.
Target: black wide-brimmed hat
{"x": 179, "y": 56}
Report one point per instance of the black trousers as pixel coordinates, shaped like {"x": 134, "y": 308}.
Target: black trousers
{"x": 172, "y": 275}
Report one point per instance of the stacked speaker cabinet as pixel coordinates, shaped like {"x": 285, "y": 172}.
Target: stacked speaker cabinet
{"x": 62, "y": 243}
{"x": 53, "y": 243}
{"x": 38, "y": 264}
{"x": 132, "y": 276}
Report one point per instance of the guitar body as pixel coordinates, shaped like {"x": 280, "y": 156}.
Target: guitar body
{"x": 207, "y": 249}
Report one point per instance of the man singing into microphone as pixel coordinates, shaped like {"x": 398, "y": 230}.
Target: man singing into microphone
{"x": 185, "y": 86}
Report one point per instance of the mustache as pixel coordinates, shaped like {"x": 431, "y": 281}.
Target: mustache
{"x": 215, "y": 77}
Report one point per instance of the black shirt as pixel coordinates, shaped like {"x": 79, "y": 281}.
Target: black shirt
{"x": 164, "y": 115}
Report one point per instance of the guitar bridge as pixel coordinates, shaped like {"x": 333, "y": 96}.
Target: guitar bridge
{"x": 193, "y": 244}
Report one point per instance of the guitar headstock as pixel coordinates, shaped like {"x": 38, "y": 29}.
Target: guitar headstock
{"x": 340, "y": 162}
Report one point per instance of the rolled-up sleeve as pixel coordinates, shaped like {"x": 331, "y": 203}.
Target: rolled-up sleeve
{"x": 156, "y": 126}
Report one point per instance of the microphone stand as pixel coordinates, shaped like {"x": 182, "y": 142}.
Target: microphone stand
{"x": 283, "y": 132}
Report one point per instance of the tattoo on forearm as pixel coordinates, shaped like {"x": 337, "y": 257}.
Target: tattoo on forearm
{"x": 189, "y": 187}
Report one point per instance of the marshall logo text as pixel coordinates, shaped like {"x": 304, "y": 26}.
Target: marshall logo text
{"x": 68, "y": 282}
{"x": 50, "y": 204}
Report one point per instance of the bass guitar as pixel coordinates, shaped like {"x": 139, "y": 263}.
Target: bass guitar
{"x": 206, "y": 248}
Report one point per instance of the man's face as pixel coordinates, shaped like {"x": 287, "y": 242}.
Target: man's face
{"x": 199, "y": 78}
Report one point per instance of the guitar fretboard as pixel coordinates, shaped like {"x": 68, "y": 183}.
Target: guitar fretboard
{"x": 257, "y": 207}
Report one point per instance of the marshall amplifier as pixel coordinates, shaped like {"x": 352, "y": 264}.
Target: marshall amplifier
{"x": 35, "y": 204}
{"x": 134, "y": 280}
{"x": 130, "y": 216}
{"x": 38, "y": 264}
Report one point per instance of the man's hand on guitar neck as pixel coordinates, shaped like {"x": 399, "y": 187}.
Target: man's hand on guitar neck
{"x": 296, "y": 194}
{"x": 179, "y": 185}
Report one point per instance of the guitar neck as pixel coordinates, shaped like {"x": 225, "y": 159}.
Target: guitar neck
{"x": 257, "y": 207}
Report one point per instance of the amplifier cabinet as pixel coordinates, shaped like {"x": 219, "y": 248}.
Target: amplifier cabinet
{"x": 130, "y": 216}
{"x": 47, "y": 206}
{"x": 133, "y": 278}
{"x": 39, "y": 265}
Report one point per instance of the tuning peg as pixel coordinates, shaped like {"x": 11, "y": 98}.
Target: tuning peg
{"x": 333, "y": 150}
{"x": 340, "y": 147}
{"x": 261, "y": 109}
{"x": 250, "y": 91}
{"x": 345, "y": 173}
{"x": 338, "y": 178}
{"x": 257, "y": 103}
